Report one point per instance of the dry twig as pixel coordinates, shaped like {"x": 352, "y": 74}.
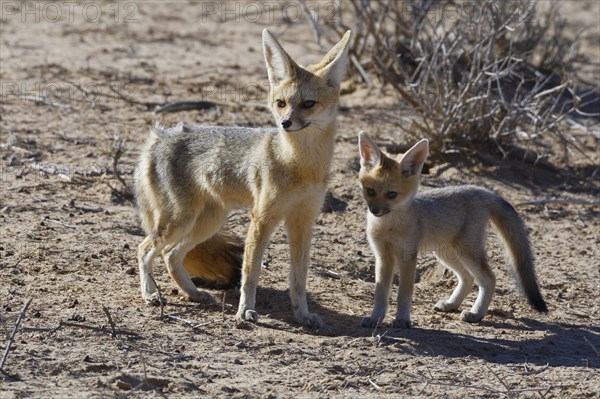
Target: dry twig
{"x": 592, "y": 346}
{"x": 161, "y": 299}
{"x": 190, "y": 323}
{"x": 110, "y": 320}
{"x": 62, "y": 324}
{"x": 431, "y": 381}
{"x": 47, "y": 218}
{"x": 13, "y": 333}
{"x": 374, "y": 385}
{"x": 117, "y": 150}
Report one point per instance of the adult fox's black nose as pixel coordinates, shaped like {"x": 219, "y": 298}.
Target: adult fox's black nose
{"x": 286, "y": 123}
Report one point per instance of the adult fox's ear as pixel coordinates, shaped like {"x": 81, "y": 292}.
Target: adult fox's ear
{"x": 412, "y": 161}
{"x": 279, "y": 64}
{"x": 370, "y": 155}
{"x": 333, "y": 66}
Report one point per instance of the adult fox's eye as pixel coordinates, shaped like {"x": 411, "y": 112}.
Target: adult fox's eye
{"x": 392, "y": 194}
{"x": 308, "y": 104}
{"x": 281, "y": 103}
{"x": 371, "y": 192}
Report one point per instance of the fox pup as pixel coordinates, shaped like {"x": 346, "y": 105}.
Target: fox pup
{"x": 190, "y": 177}
{"x": 450, "y": 221}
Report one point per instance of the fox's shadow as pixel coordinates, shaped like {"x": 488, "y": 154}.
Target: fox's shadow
{"x": 562, "y": 344}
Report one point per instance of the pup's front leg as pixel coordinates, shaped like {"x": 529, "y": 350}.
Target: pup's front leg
{"x": 384, "y": 273}
{"x": 299, "y": 228}
{"x": 258, "y": 237}
{"x": 406, "y": 276}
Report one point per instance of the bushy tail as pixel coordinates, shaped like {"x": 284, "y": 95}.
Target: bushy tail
{"x": 513, "y": 233}
{"x": 216, "y": 263}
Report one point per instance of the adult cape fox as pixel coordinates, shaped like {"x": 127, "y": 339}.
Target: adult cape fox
{"x": 190, "y": 177}
{"x": 450, "y": 221}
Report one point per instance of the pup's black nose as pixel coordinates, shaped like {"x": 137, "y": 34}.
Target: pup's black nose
{"x": 375, "y": 211}
{"x": 286, "y": 123}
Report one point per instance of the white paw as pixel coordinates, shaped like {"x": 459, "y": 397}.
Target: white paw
{"x": 310, "y": 320}
{"x": 401, "y": 323}
{"x": 153, "y": 299}
{"x": 247, "y": 315}
{"x": 470, "y": 317}
{"x": 445, "y": 306}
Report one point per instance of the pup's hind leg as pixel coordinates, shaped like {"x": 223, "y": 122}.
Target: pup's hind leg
{"x": 476, "y": 263}
{"x": 448, "y": 256}
{"x": 206, "y": 225}
{"x": 147, "y": 251}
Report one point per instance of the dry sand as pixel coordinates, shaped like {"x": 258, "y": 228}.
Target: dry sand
{"x": 70, "y": 245}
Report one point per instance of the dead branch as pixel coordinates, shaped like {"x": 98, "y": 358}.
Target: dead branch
{"x": 121, "y": 96}
{"x": 52, "y": 170}
{"x": 373, "y": 384}
{"x": 313, "y": 23}
{"x": 501, "y": 380}
{"x": 110, "y": 320}
{"x": 62, "y": 324}
{"x": 192, "y": 309}
{"x": 361, "y": 70}
{"x": 432, "y": 381}
{"x": 84, "y": 208}
{"x": 13, "y": 333}
{"x": 538, "y": 371}
{"x": 45, "y": 101}
{"x": 589, "y": 343}
{"x": 117, "y": 150}
{"x": 47, "y": 218}
{"x": 190, "y": 323}
{"x": 161, "y": 299}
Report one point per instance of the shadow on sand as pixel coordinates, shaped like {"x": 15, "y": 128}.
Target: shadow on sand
{"x": 561, "y": 344}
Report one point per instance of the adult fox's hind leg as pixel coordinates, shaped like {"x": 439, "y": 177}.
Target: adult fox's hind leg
{"x": 205, "y": 226}
{"x": 147, "y": 252}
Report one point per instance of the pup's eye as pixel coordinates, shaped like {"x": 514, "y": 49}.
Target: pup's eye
{"x": 371, "y": 192}
{"x": 281, "y": 103}
{"x": 392, "y": 194}
{"x": 308, "y": 104}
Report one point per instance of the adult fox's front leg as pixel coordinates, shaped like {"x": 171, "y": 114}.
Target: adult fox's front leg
{"x": 299, "y": 228}
{"x": 262, "y": 225}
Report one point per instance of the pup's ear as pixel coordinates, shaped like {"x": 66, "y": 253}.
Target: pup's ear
{"x": 333, "y": 66}
{"x": 412, "y": 161}
{"x": 279, "y": 64}
{"x": 370, "y": 155}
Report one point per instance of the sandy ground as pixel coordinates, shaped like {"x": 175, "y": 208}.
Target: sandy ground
{"x": 69, "y": 244}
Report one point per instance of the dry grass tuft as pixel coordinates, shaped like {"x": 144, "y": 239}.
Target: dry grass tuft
{"x": 483, "y": 77}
